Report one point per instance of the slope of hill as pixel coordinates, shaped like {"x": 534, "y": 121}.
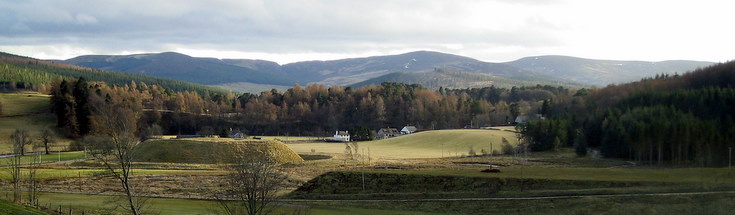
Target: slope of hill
{"x": 452, "y": 79}
{"x": 29, "y": 112}
{"x": 246, "y": 75}
{"x": 17, "y": 209}
{"x": 602, "y": 72}
{"x": 30, "y": 71}
{"x": 350, "y": 71}
{"x": 179, "y": 67}
{"x": 210, "y": 150}
{"x": 427, "y": 144}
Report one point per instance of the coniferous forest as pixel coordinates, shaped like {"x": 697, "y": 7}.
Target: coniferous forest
{"x": 681, "y": 119}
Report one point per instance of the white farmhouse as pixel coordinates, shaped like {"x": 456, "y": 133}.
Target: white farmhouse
{"x": 408, "y": 129}
{"x": 341, "y": 136}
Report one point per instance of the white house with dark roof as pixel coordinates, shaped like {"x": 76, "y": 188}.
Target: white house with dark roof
{"x": 341, "y": 136}
{"x": 408, "y": 129}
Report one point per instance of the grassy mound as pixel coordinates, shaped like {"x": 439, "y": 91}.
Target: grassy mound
{"x": 210, "y": 150}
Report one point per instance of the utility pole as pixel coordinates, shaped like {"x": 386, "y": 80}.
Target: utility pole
{"x": 729, "y": 160}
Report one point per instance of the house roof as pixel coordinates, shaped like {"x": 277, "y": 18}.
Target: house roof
{"x": 409, "y": 128}
{"x": 343, "y": 133}
{"x": 388, "y": 130}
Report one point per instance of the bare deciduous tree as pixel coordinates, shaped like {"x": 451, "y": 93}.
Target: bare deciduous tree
{"x": 253, "y": 183}
{"x": 47, "y": 137}
{"x": 20, "y": 139}
{"x": 116, "y": 123}
{"x": 33, "y": 183}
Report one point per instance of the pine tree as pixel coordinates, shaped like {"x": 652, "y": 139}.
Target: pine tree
{"x": 81, "y": 107}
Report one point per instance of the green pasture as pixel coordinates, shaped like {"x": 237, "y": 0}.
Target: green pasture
{"x": 104, "y": 204}
{"x": 428, "y": 144}
{"x": 47, "y": 158}
{"x": 9, "y": 208}
{"x": 23, "y": 104}
{"x": 30, "y": 112}
{"x": 72, "y": 173}
{"x": 292, "y": 138}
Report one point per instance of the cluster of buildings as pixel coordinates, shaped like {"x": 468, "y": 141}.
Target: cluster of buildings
{"x": 344, "y": 136}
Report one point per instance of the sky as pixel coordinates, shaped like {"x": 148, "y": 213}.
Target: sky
{"x": 288, "y": 31}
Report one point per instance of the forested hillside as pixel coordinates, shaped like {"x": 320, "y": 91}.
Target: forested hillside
{"x": 180, "y": 67}
{"x": 447, "y": 78}
{"x": 686, "y": 119}
{"x": 33, "y": 74}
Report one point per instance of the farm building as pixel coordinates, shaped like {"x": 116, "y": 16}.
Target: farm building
{"x": 238, "y": 135}
{"x": 408, "y": 129}
{"x": 387, "y": 133}
{"x": 341, "y": 136}
{"x": 523, "y": 119}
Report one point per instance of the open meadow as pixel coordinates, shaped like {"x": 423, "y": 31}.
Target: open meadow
{"x": 428, "y": 144}
{"x": 28, "y": 111}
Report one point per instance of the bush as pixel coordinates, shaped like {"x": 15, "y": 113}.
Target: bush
{"x": 507, "y": 148}
{"x": 580, "y": 145}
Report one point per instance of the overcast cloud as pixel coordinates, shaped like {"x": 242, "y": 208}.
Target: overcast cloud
{"x": 294, "y": 30}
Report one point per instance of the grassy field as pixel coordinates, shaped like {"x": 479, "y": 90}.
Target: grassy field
{"x": 103, "y": 204}
{"x": 48, "y": 158}
{"x": 665, "y": 205}
{"x": 209, "y": 150}
{"x": 72, "y": 173}
{"x": 428, "y": 144}
{"x": 9, "y": 208}
{"x": 292, "y": 138}
{"x": 26, "y": 111}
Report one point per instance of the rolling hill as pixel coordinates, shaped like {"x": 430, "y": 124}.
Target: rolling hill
{"x": 602, "y": 72}
{"x": 427, "y": 144}
{"x": 179, "y": 67}
{"x": 354, "y": 70}
{"x": 30, "y": 71}
{"x": 245, "y": 75}
{"x": 452, "y": 79}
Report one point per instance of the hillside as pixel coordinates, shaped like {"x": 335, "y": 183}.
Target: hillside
{"x": 32, "y": 72}
{"x": 246, "y": 75}
{"x": 427, "y": 144}
{"x": 10, "y": 208}
{"x": 437, "y": 78}
{"x": 602, "y": 72}
{"x": 178, "y": 67}
{"x": 349, "y": 71}
{"x": 661, "y": 120}
{"x": 210, "y": 150}
{"x": 26, "y": 111}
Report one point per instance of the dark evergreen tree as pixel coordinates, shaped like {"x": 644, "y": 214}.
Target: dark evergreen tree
{"x": 81, "y": 106}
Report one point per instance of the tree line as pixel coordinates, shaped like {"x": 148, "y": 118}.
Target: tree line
{"x": 310, "y": 110}
{"x": 668, "y": 119}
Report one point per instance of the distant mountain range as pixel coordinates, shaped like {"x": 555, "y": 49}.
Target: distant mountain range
{"x": 431, "y": 69}
{"x": 179, "y": 67}
{"x": 602, "y": 72}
